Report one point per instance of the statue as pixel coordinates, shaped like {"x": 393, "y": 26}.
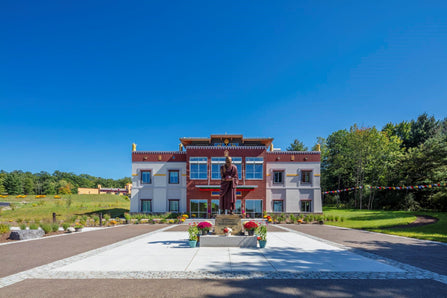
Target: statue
{"x": 228, "y": 185}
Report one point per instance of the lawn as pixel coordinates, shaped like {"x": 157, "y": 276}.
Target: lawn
{"x": 31, "y": 208}
{"x": 381, "y": 221}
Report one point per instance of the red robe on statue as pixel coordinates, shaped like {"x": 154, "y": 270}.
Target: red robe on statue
{"x": 228, "y": 188}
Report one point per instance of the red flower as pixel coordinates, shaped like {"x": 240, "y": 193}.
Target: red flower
{"x": 250, "y": 225}
{"x": 259, "y": 238}
{"x": 204, "y": 225}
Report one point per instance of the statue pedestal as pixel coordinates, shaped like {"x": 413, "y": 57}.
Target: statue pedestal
{"x": 228, "y": 241}
{"x": 227, "y": 221}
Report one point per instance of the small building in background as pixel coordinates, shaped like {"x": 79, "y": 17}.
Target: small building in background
{"x": 188, "y": 180}
{"x": 106, "y": 190}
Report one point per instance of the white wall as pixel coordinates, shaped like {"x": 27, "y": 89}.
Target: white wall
{"x": 292, "y": 190}
{"x": 159, "y": 191}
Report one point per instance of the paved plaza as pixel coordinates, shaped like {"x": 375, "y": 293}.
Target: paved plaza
{"x": 161, "y": 253}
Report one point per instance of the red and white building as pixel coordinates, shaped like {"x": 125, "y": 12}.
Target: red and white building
{"x": 188, "y": 180}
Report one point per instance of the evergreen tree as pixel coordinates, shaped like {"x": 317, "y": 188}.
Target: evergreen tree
{"x": 297, "y": 146}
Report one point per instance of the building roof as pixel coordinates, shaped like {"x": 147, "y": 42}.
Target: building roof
{"x": 186, "y": 141}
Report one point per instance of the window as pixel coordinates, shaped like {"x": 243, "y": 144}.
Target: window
{"x": 278, "y": 206}
{"x": 217, "y": 162}
{"x": 215, "y": 206}
{"x": 237, "y": 207}
{"x": 173, "y": 177}
{"x": 146, "y": 206}
{"x": 174, "y": 206}
{"x": 253, "y": 168}
{"x": 306, "y": 176}
{"x": 146, "y": 177}
{"x": 278, "y": 176}
{"x": 253, "y": 208}
{"x": 198, "y": 168}
{"x": 199, "y": 208}
{"x": 306, "y": 206}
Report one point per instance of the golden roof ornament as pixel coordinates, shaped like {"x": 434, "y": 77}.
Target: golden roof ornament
{"x": 134, "y": 147}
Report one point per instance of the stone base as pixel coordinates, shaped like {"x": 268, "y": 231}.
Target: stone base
{"x": 228, "y": 241}
{"x": 26, "y": 234}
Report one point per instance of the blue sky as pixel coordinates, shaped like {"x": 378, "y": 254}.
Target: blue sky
{"x": 81, "y": 81}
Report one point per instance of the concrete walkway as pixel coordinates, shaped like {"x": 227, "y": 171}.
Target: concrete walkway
{"x": 427, "y": 255}
{"x": 145, "y": 260}
{"x": 169, "y": 252}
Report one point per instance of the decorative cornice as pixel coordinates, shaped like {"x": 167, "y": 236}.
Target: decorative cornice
{"x": 293, "y": 152}
{"x": 227, "y": 147}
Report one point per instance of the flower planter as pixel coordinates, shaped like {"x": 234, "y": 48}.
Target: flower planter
{"x": 251, "y": 232}
{"x": 262, "y": 243}
{"x": 192, "y": 243}
{"x": 204, "y": 232}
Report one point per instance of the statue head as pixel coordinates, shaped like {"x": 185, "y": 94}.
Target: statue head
{"x": 228, "y": 160}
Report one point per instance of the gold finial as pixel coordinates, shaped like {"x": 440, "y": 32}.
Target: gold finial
{"x": 318, "y": 147}
{"x": 271, "y": 147}
{"x": 134, "y": 147}
{"x": 226, "y": 153}
{"x": 226, "y": 141}
{"x": 180, "y": 147}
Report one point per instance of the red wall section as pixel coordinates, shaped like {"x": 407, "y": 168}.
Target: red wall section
{"x": 194, "y": 193}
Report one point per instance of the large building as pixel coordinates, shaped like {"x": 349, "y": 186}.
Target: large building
{"x": 188, "y": 180}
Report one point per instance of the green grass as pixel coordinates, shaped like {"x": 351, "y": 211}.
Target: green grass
{"x": 35, "y": 209}
{"x": 381, "y": 221}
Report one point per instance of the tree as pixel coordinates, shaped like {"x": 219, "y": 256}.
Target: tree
{"x": 422, "y": 129}
{"x": 13, "y": 184}
{"x": 297, "y": 146}
{"x": 2, "y": 187}
{"x": 64, "y": 187}
{"x": 28, "y": 186}
{"x": 49, "y": 187}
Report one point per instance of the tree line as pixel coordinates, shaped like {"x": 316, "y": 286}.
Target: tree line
{"x": 44, "y": 183}
{"x": 400, "y": 154}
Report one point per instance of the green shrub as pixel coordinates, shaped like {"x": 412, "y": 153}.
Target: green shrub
{"x": 33, "y": 226}
{"x": 46, "y": 227}
{"x": 23, "y": 226}
{"x": 342, "y": 219}
{"x": 127, "y": 217}
{"x": 65, "y": 225}
{"x": 55, "y": 227}
{"x": 292, "y": 218}
{"x": 4, "y": 228}
{"x": 19, "y": 220}
{"x": 336, "y": 218}
{"x": 68, "y": 202}
{"x": 106, "y": 217}
{"x": 96, "y": 219}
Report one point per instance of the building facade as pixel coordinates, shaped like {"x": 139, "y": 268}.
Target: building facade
{"x": 188, "y": 180}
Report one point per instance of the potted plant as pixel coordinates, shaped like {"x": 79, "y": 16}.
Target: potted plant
{"x": 262, "y": 237}
{"x": 204, "y": 227}
{"x": 193, "y": 231}
{"x": 250, "y": 226}
{"x": 227, "y": 231}
{"x": 78, "y": 228}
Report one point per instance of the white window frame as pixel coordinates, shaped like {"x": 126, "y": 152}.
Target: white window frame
{"x": 198, "y": 160}
{"x": 221, "y": 161}
{"x": 254, "y": 161}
